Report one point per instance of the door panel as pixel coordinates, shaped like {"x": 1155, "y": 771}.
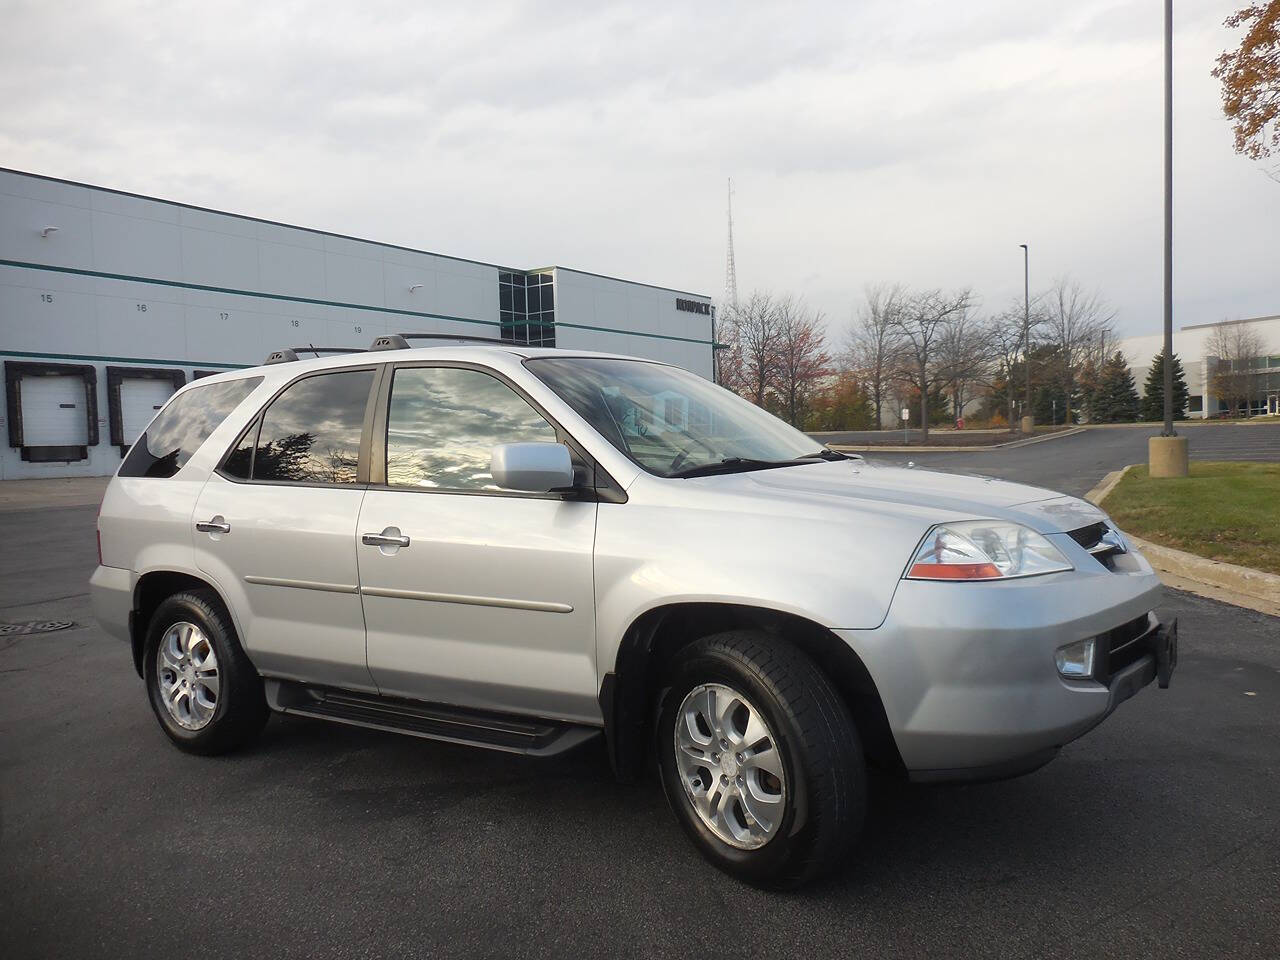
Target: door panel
{"x": 490, "y": 605}
{"x": 53, "y": 413}
{"x": 283, "y": 544}
{"x": 139, "y": 401}
{"x": 288, "y": 566}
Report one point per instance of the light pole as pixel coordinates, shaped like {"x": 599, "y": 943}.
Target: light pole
{"x": 1167, "y": 453}
{"x": 1168, "y": 219}
{"x": 1026, "y": 327}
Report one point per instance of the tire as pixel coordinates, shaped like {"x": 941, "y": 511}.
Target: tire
{"x": 204, "y": 720}
{"x": 771, "y": 831}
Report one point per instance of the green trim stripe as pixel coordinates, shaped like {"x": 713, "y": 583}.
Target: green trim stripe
{"x": 183, "y": 285}
{"x": 198, "y": 364}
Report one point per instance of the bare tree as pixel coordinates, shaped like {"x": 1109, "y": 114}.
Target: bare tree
{"x": 753, "y": 331}
{"x": 921, "y": 324}
{"x": 1239, "y": 350}
{"x": 1005, "y": 338}
{"x": 1074, "y": 319}
{"x": 875, "y": 343}
{"x": 802, "y": 358}
{"x": 965, "y": 355}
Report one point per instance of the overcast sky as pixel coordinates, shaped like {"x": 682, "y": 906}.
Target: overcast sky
{"x": 868, "y": 142}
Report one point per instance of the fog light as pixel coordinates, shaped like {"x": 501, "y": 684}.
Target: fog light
{"x": 1075, "y": 660}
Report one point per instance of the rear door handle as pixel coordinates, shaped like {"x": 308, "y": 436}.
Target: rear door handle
{"x": 384, "y": 539}
{"x": 216, "y": 525}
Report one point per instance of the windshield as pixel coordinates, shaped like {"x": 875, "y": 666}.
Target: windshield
{"x": 672, "y": 422}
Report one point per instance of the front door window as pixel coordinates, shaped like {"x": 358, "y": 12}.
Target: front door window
{"x": 444, "y": 422}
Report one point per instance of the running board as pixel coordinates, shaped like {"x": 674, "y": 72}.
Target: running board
{"x": 434, "y": 721}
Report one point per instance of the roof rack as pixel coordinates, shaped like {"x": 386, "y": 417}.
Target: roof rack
{"x": 290, "y": 354}
{"x": 400, "y": 341}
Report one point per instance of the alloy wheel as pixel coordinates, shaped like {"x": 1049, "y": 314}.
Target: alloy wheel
{"x": 730, "y": 766}
{"x": 187, "y": 674}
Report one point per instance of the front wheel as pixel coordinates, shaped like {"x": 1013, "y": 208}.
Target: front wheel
{"x": 760, "y": 759}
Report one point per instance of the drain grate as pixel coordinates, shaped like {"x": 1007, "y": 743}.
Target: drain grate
{"x": 34, "y": 626}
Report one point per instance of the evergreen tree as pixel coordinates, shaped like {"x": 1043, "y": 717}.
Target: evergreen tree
{"x": 1153, "y": 391}
{"x": 1049, "y": 405}
{"x": 1116, "y": 399}
{"x": 1090, "y": 382}
{"x": 939, "y": 406}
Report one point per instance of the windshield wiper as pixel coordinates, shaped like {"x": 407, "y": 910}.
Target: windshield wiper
{"x": 736, "y": 465}
{"x": 824, "y": 455}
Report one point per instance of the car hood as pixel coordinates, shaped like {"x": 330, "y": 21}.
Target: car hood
{"x": 949, "y": 496}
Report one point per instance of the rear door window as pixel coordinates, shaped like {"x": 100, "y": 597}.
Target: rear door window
{"x": 182, "y": 426}
{"x": 310, "y": 433}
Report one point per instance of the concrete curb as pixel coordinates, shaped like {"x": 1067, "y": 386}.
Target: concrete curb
{"x": 1106, "y": 485}
{"x": 977, "y": 448}
{"x": 1242, "y": 586}
{"x": 1179, "y": 424}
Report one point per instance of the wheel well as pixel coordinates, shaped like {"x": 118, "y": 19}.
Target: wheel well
{"x": 627, "y": 696}
{"x": 152, "y": 590}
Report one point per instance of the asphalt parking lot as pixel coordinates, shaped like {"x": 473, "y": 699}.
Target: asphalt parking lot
{"x": 1156, "y": 834}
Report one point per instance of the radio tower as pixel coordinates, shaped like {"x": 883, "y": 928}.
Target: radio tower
{"x": 730, "y": 271}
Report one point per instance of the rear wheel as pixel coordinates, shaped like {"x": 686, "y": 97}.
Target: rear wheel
{"x": 203, "y": 689}
{"x": 760, "y": 759}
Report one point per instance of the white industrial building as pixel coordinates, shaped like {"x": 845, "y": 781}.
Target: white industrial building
{"x": 1194, "y": 345}
{"x": 110, "y": 301}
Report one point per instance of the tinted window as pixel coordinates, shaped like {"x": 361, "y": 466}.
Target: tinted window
{"x": 239, "y": 462}
{"x": 444, "y": 423}
{"x": 311, "y": 432}
{"x": 184, "y": 424}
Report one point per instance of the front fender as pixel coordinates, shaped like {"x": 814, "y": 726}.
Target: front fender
{"x": 840, "y": 573}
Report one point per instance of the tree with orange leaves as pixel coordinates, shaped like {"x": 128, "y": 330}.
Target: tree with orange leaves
{"x": 1251, "y": 80}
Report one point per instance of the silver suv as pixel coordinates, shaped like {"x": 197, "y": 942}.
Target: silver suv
{"x": 521, "y": 549}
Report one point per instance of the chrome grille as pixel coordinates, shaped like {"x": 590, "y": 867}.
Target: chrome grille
{"x": 1090, "y": 536}
{"x": 1101, "y": 541}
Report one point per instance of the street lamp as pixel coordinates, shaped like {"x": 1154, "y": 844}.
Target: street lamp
{"x": 1026, "y": 326}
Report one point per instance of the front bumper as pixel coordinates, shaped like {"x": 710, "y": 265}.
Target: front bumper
{"x": 966, "y": 673}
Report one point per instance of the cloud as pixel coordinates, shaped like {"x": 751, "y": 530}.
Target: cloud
{"x": 868, "y": 142}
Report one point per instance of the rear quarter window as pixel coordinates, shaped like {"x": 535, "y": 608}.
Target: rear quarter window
{"x": 182, "y": 426}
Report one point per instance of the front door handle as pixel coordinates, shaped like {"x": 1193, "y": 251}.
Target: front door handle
{"x": 387, "y": 538}
{"x": 216, "y": 525}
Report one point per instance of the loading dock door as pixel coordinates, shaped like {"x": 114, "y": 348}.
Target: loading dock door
{"x": 139, "y": 401}
{"x": 53, "y": 412}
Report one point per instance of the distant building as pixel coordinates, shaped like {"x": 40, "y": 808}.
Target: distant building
{"x": 1194, "y": 346}
{"x": 110, "y": 301}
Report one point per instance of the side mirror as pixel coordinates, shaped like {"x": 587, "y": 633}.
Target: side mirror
{"x": 535, "y": 467}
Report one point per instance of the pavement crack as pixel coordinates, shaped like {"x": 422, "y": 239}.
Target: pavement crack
{"x": 33, "y": 603}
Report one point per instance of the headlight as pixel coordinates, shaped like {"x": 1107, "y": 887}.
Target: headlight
{"x": 984, "y": 550}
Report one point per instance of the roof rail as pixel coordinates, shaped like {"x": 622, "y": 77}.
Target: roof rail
{"x": 400, "y": 341}
{"x": 290, "y": 354}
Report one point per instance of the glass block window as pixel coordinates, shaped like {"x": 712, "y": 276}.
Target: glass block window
{"x": 527, "y": 308}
